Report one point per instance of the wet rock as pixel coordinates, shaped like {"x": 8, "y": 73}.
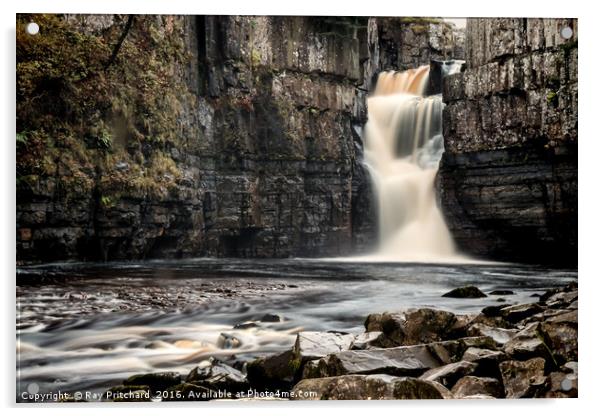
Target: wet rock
{"x": 156, "y": 381}
{"x": 501, "y": 292}
{"x": 499, "y": 335}
{"x": 216, "y": 375}
{"x": 315, "y": 369}
{"x": 482, "y": 355}
{"x": 517, "y": 313}
{"x": 370, "y": 387}
{"x": 466, "y": 292}
{"x": 523, "y": 379}
{"x": 449, "y": 374}
{"x": 312, "y": 345}
{"x": 561, "y": 339}
{"x": 227, "y": 341}
{"x": 420, "y": 326}
{"x": 270, "y": 317}
{"x": 366, "y": 340}
{"x": 274, "y": 372}
{"x": 482, "y": 387}
{"x": 527, "y": 343}
{"x": 492, "y": 311}
{"x": 400, "y": 361}
{"x": 246, "y": 325}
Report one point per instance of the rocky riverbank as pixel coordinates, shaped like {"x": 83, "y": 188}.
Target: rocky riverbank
{"x": 505, "y": 351}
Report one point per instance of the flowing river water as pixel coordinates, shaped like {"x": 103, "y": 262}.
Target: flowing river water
{"x": 89, "y": 326}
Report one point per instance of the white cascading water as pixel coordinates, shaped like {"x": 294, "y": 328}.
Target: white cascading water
{"x": 403, "y": 146}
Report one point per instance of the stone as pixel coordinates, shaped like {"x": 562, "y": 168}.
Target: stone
{"x": 227, "y": 341}
{"x": 480, "y": 355}
{"x": 312, "y": 345}
{"x": 492, "y": 311}
{"x": 467, "y": 292}
{"x": 155, "y": 381}
{"x": 216, "y": 375}
{"x": 501, "y": 292}
{"x": 517, "y": 313}
{"x": 418, "y": 326}
{"x": 246, "y": 325}
{"x": 449, "y": 374}
{"x": 523, "y": 379}
{"x": 499, "y": 335}
{"x": 484, "y": 387}
{"x": 400, "y": 361}
{"x": 274, "y": 372}
{"x": 366, "y": 340}
{"x": 368, "y": 387}
{"x": 527, "y": 343}
{"x": 561, "y": 338}
{"x": 270, "y": 317}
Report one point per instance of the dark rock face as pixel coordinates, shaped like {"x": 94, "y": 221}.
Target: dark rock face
{"x": 265, "y": 158}
{"x": 409, "y": 42}
{"x": 508, "y": 177}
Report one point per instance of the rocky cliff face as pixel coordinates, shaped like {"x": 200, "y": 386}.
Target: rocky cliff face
{"x": 232, "y": 136}
{"x": 508, "y": 177}
{"x": 409, "y": 42}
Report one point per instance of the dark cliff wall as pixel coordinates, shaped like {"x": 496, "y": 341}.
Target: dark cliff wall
{"x": 208, "y": 135}
{"x": 508, "y": 177}
{"x": 409, "y": 42}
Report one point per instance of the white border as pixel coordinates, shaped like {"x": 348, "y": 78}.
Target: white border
{"x": 589, "y": 162}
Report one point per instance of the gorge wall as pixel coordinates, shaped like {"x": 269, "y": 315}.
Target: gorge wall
{"x": 508, "y": 177}
{"x": 206, "y": 135}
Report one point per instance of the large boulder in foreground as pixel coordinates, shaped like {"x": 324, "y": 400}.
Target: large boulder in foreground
{"x": 368, "y": 387}
{"x": 470, "y": 386}
{"x": 216, "y": 375}
{"x": 411, "y": 360}
{"x": 524, "y": 379}
{"x": 416, "y": 326}
{"x": 273, "y": 372}
{"x": 313, "y": 345}
{"x": 450, "y": 373}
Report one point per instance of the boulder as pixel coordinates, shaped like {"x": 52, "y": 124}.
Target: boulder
{"x": 499, "y": 335}
{"x": 312, "y": 345}
{"x": 527, "y": 343}
{"x": 366, "y": 340}
{"x": 412, "y": 360}
{"x": 227, "y": 341}
{"x": 450, "y": 373}
{"x": 466, "y": 292}
{"x": 561, "y": 339}
{"x": 368, "y": 387}
{"x": 274, "y": 372}
{"x": 270, "y": 317}
{"x": 477, "y": 355}
{"x": 523, "y": 379}
{"x": 471, "y": 386}
{"x": 216, "y": 375}
{"x": 501, "y": 292}
{"x": 399, "y": 361}
{"x": 155, "y": 381}
{"x": 417, "y": 326}
{"x": 517, "y": 313}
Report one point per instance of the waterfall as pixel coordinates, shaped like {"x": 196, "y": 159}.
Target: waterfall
{"x": 403, "y": 146}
